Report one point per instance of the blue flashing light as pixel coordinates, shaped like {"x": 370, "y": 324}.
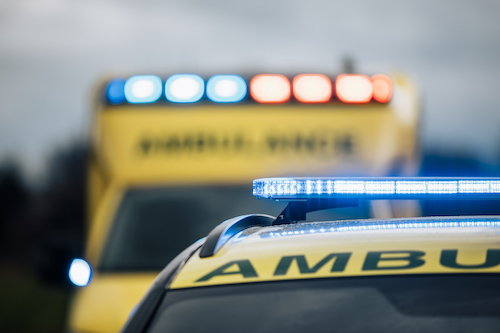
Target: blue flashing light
{"x": 143, "y": 89}
{"x": 116, "y": 91}
{"x": 377, "y": 188}
{"x": 80, "y": 272}
{"x": 349, "y": 226}
{"x": 226, "y": 88}
{"x": 184, "y": 88}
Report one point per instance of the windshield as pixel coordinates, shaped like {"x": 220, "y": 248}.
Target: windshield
{"x": 153, "y": 225}
{"x": 417, "y": 303}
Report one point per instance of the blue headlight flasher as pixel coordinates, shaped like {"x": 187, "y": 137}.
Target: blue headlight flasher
{"x": 226, "y": 88}
{"x": 184, "y": 88}
{"x": 143, "y": 89}
{"x": 80, "y": 272}
{"x": 116, "y": 91}
{"x": 377, "y": 188}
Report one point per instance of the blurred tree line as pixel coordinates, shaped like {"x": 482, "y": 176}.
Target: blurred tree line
{"x": 41, "y": 225}
{"x": 48, "y": 214}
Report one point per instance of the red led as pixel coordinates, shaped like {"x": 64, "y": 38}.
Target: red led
{"x": 270, "y": 88}
{"x": 312, "y": 88}
{"x": 354, "y": 88}
{"x": 382, "y": 88}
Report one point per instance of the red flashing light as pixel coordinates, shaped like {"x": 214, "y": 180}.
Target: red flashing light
{"x": 354, "y": 88}
{"x": 270, "y": 88}
{"x": 382, "y": 88}
{"x": 312, "y": 88}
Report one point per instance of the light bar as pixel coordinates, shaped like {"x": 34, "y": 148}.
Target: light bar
{"x": 80, "y": 272}
{"x": 312, "y": 88}
{"x": 377, "y": 188}
{"x": 115, "y": 92}
{"x": 184, "y": 88}
{"x": 354, "y": 88}
{"x": 226, "y": 88}
{"x": 143, "y": 89}
{"x": 382, "y": 88}
{"x": 270, "y": 88}
{"x": 411, "y": 223}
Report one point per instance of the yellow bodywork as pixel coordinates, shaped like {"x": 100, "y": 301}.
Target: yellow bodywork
{"x": 206, "y": 143}
{"x": 391, "y": 248}
{"x": 106, "y": 305}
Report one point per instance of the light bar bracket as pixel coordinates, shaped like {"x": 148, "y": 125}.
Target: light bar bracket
{"x": 297, "y": 210}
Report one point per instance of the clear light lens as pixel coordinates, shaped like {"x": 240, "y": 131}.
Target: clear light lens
{"x": 80, "y": 272}
{"x": 270, "y": 88}
{"x": 226, "y": 88}
{"x": 382, "y": 88}
{"x": 184, "y": 88}
{"x": 312, "y": 88}
{"x": 354, "y": 88}
{"x": 372, "y": 187}
{"x": 115, "y": 91}
{"x": 143, "y": 89}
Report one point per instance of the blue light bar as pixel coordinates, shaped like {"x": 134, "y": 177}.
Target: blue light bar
{"x": 116, "y": 91}
{"x": 143, "y": 89}
{"x": 377, "y": 188}
{"x": 226, "y": 88}
{"x": 184, "y": 88}
{"x": 360, "y": 225}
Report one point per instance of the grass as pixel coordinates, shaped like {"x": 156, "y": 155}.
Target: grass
{"x": 28, "y": 306}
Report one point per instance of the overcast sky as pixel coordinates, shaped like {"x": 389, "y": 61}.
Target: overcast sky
{"x": 53, "y": 51}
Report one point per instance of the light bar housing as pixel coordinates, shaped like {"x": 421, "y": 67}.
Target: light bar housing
{"x": 394, "y": 188}
{"x": 262, "y": 88}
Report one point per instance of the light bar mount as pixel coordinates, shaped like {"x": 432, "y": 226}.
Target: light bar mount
{"x": 297, "y": 210}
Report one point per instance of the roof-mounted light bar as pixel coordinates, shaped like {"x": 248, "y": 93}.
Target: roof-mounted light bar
{"x": 262, "y": 88}
{"x": 376, "y": 188}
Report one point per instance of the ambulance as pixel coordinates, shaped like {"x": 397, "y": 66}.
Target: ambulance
{"x": 172, "y": 156}
{"x": 259, "y": 273}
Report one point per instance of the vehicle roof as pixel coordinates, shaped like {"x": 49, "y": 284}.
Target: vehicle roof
{"x": 350, "y": 248}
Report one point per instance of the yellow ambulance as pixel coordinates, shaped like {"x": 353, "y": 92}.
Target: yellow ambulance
{"x": 172, "y": 156}
{"x": 258, "y": 273}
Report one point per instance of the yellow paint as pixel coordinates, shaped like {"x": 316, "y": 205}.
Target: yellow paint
{"x": 104, "y": 306}
{"x": 239, "y": 143}
{"x": 265, "y": 254}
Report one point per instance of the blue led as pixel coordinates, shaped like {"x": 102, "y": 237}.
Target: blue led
{"x": 226, "y": 88}
{"x": 143, "y": 89}
{"x": 116, "y": 91}
{"x": 184, "y": 88}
